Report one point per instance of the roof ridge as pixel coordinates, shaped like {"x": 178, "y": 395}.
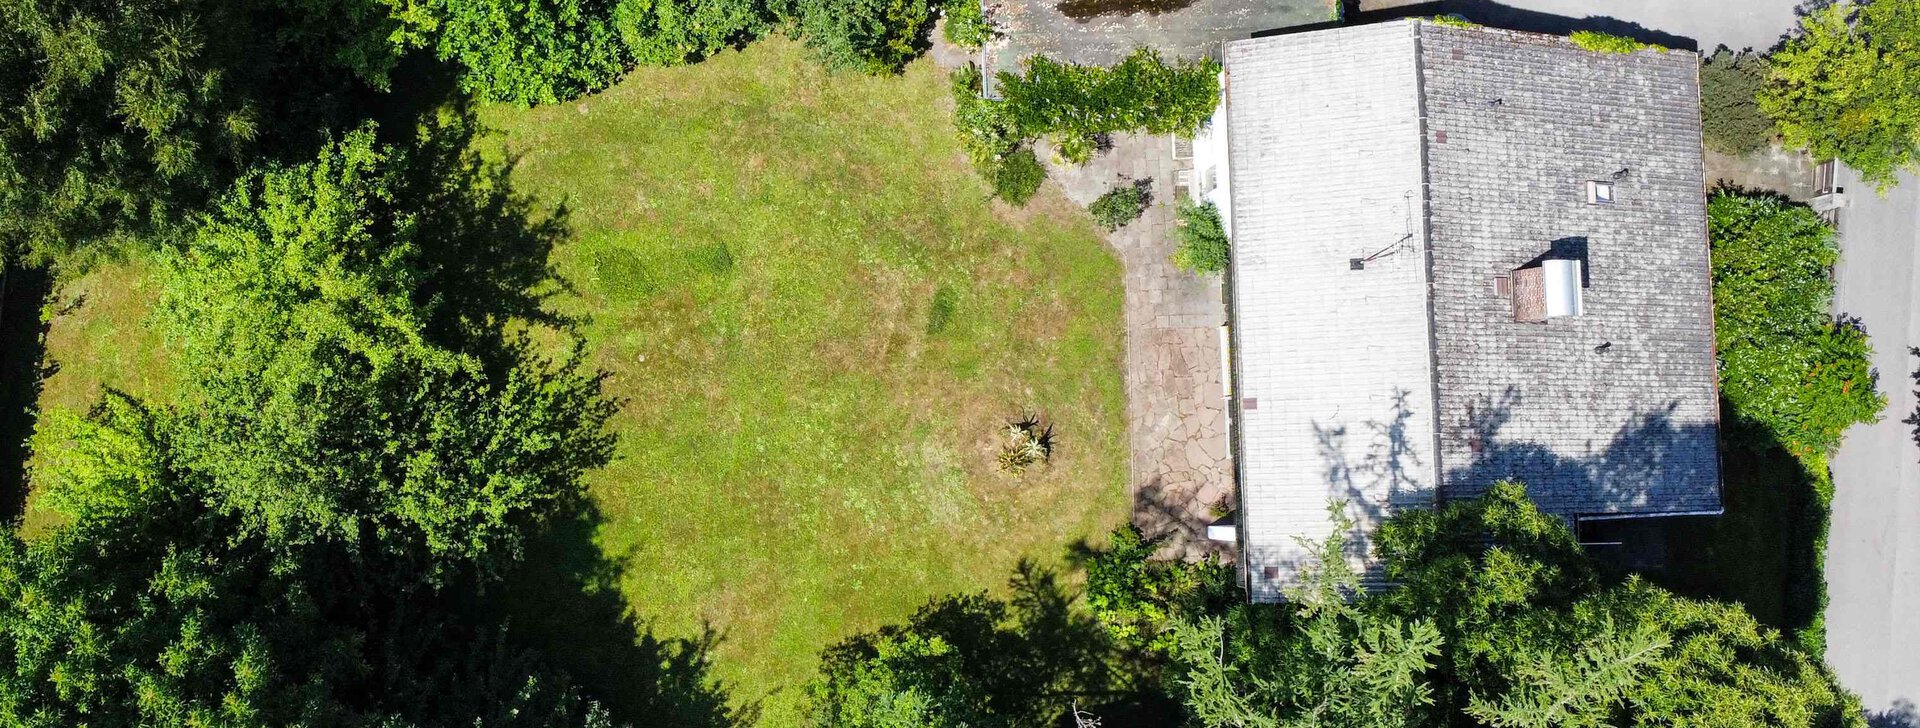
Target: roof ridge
{"x": 1426, "y": 253}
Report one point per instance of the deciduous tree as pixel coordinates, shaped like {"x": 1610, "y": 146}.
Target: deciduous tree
{"x": 1847, "y": 86}
{"x": 332, "y": 391}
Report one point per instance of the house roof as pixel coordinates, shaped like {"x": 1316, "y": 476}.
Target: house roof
{"x": 1446, "y": 158}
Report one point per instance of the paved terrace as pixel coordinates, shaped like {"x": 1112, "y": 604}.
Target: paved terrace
{"x": 1182, "y": 477}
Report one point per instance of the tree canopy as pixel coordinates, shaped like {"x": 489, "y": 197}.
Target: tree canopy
{"x": 1496, "y": 618}
{"x": 131, "y": 118}
{"x": 154, "y": 607}
{"x": 329, "y": 393}
{"x": 968, "y": 660}
{"x": 1847, "y": 87}
{"x": 128, "y": 116}
{"x": 355, "y": 455}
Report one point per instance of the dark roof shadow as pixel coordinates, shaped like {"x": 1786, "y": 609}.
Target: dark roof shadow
{"x": 1486, "y": 12}
{"x": 1900, "y": 715}
{"x": 1635, "y": 471}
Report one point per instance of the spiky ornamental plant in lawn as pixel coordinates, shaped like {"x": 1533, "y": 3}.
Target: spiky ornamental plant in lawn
{"x": 1028, "y": 444}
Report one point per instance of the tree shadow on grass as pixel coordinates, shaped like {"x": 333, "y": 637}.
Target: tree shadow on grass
{"x": 564, "y": 601}
{"x": 22, "y": 349}
{"x": 484, "y": 247}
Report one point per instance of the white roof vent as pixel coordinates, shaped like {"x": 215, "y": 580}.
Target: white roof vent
{"x": 1600, "y": 193}
{"x": 1562, "y": 280}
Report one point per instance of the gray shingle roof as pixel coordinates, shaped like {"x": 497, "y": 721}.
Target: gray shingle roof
{"x": 1324, "y": 140}
{"x": 1466, "y": 153}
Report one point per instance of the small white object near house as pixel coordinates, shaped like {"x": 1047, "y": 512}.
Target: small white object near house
{"x": 1563, "y": 288}
{"x": 1223, "y": 532}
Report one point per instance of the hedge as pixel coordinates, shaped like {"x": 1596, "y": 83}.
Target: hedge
{"x": 1072, "y": 104}
{"x": 1788, "y": 365}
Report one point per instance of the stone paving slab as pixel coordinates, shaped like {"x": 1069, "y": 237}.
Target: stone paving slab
{"x": 1787, "y": 171}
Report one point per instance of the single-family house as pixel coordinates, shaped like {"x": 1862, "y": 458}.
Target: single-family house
{"x": 1460, "y": 255}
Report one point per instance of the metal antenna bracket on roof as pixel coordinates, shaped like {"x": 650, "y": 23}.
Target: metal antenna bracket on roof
{"x": 1361, "y": 263}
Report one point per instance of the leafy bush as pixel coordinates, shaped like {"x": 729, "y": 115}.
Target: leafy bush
{"x": 672, "y": 32}
{"x": 1074, "y": 106}
{"x": 529, "y": 51}
{"x": 1075, "y": 147}
{"x": 1599, "y": 42}
{"x": 986, "y": 130}
{"x": 546, "y": 51}
{"x": 991, "y": 142}
{"x": 358, "y": 448}
{"x": 1018, "y": 176}
{"x": 1133, "y": 596}
{"x": 967, "y": 24}
{"x": 1730, "y": 118}
{"x": 1843, "y": 87}
{"x": 1119, "y": 206}
{"x": 1071, "y": 101}
{"x": 1453, "y": 20}
{"x": 1788, "y": 366}
{"x": 871, "y": 36}
{"x": 1203, "y": 239}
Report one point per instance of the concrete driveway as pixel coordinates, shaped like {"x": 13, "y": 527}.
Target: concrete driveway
{"x": 1873, "y": 554}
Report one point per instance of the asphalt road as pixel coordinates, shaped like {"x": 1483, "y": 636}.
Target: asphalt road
{"x": 1873, "y": 555}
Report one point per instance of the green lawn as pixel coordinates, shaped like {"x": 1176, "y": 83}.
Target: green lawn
{"x": 817, "y": 324}
{"x": 98, "y": 338}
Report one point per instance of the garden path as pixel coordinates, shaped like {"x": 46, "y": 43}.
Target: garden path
{"x": 1182, "y": 470}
